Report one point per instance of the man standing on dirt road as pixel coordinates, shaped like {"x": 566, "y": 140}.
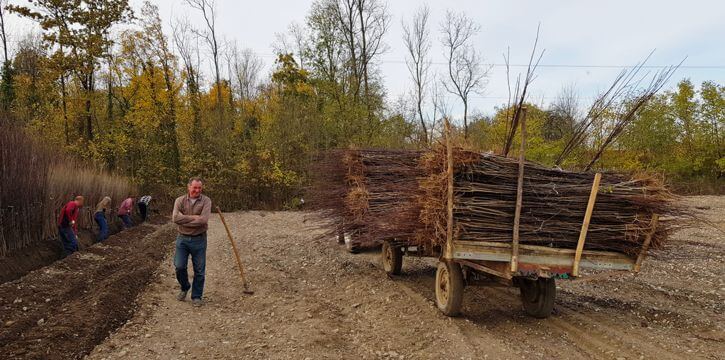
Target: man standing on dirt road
{"x": 67, "y": 227}
{"x": 191, "y": 214}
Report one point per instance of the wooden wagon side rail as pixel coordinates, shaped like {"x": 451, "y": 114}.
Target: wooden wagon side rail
{"x": 541, "y": 256}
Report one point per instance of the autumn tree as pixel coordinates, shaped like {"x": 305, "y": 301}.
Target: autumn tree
{"x": 80, "y": 29}
{"x": 157, "y": 41}
{"x": 186, "y": 43}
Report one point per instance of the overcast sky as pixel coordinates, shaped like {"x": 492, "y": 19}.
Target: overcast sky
{"x": 583, "y": 33}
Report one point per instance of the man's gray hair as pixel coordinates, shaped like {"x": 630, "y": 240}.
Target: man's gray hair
{"x": 195, "y": 178}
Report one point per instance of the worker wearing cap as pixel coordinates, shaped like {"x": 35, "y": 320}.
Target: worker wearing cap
{"x": 191, "y": 215}
{"x": 67, "y": 225}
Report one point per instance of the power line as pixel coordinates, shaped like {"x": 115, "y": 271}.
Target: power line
{"x": 563, "y": 66}
{"x": 582, "y": 66}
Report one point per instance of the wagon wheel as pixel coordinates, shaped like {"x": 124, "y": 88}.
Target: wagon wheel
{"x": 538, "y": 296}
{"x": 449, "y": 287}
{"x": 351, "y": 246}
{"x": 392, "y": 258}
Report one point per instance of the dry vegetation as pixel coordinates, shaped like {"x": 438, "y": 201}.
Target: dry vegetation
{"x": 37, "y": 183}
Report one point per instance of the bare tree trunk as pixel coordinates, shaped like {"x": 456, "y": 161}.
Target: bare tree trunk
{"x": 7, "y": 72}
{"x": 88, "y": 115}
{"x": 346, "y": 19}
{"x": 184, "y": 39}
{"x": 208, "y": 11}
{"x": 63, "y": 101}
{"x": 465, "y": 118}
{"x": 3, "y": 35}
{"x": 465, "y": 71}
{"x": 363, "y": 49}
{"x": 417, "y": 42}
{"x": 109, "y": 106}
{"x": 373, "y": 18}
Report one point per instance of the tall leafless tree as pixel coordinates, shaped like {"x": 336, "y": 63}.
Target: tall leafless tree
{"x": 3, "y": 35}
{"x": 562, "y": 114}
{"x": 346, "y": 14}
{"x": 294, "y": 42}
{"x": 416, "y": 37}
{"x": 466, "y": 73}
{"x": 186, "y": 43}
{"x": 247, "y": 68}
{"x": 362, "y": 24}
{"x": 230, "y": 48}
{"x": 520, "y": 94}
{"x": 374, "y": 22}
{"x": 7, "y": 86}
{"x": 208, "y": 11}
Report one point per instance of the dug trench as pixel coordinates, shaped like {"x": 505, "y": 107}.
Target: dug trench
{"x": 62, "y": 311}
{"x": 49, "y": 250}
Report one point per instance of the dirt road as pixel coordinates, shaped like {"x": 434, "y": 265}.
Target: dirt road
{"x": 313, "y": 300}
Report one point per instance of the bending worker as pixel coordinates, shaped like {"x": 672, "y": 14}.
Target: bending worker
{"x": 125, "y": 211}
{"x": 67, "y": 226}
{"x": 100, "y": 217}
{"x": 143, "y": 206}
{"x": 191, "y": 214}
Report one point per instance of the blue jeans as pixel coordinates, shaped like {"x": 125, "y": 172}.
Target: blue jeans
{"x": 196, "y": 247}
{"x": 102, "y": 225}
{"x": 68, "y": 239}
{"x": 127, "y": 222}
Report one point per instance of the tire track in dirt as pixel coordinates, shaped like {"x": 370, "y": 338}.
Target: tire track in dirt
{"x": 502, "y": 305}
{"x": 575, "y": 330}
{"x": 632, "y": 343}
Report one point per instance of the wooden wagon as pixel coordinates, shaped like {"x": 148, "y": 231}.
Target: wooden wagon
{"x": 532, "y": 268}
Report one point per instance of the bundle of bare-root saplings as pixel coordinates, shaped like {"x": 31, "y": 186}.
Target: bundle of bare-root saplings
{"x": 370, "y": 194}
{"x": 328, "y": 189}
{"x": 553, "y": 204}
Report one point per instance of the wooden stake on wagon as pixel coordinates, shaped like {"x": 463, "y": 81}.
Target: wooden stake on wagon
{"x": 585, "y": 224}
{"x": 449, "y": 173}
{"x": 236, "y": 253}
{"x": 519, "y": 195}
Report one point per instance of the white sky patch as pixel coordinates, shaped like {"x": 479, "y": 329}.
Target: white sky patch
{"x": 615, "y": 32}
